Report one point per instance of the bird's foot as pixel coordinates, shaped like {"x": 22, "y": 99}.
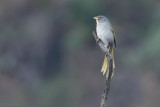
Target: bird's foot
{"x": 107, "y": 54}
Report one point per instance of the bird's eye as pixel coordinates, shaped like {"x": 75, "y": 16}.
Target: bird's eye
{"x": 100, "y": 16}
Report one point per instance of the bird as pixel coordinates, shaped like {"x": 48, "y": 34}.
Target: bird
{"x": 106, "y": 34}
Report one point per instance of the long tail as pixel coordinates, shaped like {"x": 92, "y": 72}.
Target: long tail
{"x": 105, "y": 67}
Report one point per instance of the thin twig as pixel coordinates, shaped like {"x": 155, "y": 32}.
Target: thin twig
{"x": 108, "y": 80}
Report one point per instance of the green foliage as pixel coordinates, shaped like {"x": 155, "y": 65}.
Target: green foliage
{"x": 76, "y": 38}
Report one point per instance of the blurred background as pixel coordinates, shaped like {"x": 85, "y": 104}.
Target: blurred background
{"x": 49, "y": 58}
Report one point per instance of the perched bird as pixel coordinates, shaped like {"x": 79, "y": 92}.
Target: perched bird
{"x": 107, "y": 35}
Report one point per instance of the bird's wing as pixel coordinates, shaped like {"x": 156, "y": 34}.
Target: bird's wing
{"x": 113, "y": 35}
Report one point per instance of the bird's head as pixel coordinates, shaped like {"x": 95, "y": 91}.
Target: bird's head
{"x": 100, "y": 19}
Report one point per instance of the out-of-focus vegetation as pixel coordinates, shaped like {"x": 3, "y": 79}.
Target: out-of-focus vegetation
{"x": 49, "y": 58}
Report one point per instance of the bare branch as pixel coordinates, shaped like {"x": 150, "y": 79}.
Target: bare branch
{"x": 108, "y": 80}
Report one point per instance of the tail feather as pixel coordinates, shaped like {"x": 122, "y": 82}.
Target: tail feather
{"x": 103, "y": 70}
{"x": 105, "y": 67}
{"x": 112, "y": 55}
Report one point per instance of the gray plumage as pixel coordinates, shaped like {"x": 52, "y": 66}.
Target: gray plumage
{"x": 103, "y": 30}
{"x": 106, "y": 34}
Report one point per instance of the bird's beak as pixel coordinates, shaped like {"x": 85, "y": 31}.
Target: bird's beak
{"x": 96, "y": 18}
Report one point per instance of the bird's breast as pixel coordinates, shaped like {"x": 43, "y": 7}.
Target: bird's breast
{"x": 105, "y": 34}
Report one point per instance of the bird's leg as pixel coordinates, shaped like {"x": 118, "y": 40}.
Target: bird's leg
{"x": 106, "y": 52}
